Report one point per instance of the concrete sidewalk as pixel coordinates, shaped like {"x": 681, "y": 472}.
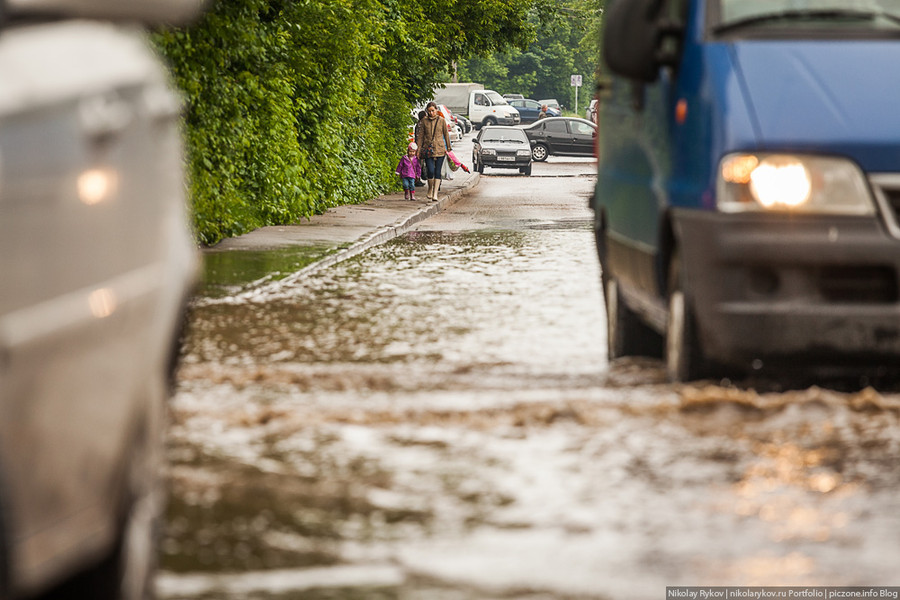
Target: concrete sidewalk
{"x": 345, "y": 231}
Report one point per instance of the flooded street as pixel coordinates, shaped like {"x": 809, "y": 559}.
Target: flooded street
{"x": 436, "y": 419}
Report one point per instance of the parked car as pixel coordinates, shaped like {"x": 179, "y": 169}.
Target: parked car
{"x": 591, "y": 111}
{"x": 457, "y": 128}
{"x": 562, "y": 136}
{"x": 503, "y": 147}
{"x": 747, "y": 212}
{"x": 452, "y": 128}
{"x": 552, "y": 103}
{"x": 530, "y": 110}
{"x": 466, "y": 123}
{"x": 97, "y": 263}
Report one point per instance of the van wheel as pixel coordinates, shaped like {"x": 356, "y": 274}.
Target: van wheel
{"x": 127, "y": 571}
{"x": 539, "y": 152}
{"x": 626, "y": 334}
{"x": 684, "y": 355}
{"x": 4, "y": 546}
{"x": 489, "y": 121}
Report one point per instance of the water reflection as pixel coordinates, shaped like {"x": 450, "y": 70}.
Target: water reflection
{"x": 461, "y": 299}
{"x": 440, "y": 409}
{"x": 227, "y": 272}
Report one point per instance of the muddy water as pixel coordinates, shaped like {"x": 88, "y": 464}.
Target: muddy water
{"x": 436, "y": 419}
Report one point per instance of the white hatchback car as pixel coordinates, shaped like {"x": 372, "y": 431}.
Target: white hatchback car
{"x": 97, "y": 263}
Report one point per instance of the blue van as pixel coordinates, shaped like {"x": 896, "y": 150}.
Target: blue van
{"x": 747, "y": 207}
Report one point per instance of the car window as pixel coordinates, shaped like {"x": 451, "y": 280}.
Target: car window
{"x": 503, "y": 135}
{"x": 555, "y": 127}
{"x": 517, "y": 103}
{"x": 581, "y": 128}
{"x": 481, "y": 100}
{"x": 533, "y": 104}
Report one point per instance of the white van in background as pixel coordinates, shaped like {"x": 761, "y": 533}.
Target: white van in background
{"x": 481, "y": 106}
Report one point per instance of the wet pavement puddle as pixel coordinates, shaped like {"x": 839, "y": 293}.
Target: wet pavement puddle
{"x": 436, "y": 419}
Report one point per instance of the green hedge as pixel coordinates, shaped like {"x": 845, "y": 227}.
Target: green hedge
{"x": 295, "y": 106}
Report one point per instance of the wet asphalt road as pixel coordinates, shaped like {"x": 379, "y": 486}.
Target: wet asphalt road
{"x": 436, "y": 418}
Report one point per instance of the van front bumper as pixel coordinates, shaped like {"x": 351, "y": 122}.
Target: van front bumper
{"x": 790, "y": 289}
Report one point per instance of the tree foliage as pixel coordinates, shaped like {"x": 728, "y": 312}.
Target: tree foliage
{"x": 566, "y": 43}
{"x": 294, "y": 106}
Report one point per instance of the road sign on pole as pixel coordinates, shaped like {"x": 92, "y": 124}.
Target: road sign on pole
{"x": 576, "y": 83}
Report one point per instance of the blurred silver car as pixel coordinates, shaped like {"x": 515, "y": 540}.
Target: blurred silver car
{"x": 97, "y": 262}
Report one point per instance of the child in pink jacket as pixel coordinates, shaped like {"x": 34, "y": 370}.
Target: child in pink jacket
{"x": 409, "y": 170}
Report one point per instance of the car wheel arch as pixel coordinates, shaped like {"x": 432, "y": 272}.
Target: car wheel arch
{"x": 5, "y": 537}
{"x": 127, "y": 565}
{"x": 668, "y": 245}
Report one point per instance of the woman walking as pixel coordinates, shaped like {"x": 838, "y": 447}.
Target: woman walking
{"x": 433, "y": 141}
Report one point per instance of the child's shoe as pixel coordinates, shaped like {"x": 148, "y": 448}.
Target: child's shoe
{"x": 412, "y": 194}
{"x": 406, "y": 194}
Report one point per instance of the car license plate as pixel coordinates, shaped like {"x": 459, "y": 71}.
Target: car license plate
{"x": 506, "y": 158}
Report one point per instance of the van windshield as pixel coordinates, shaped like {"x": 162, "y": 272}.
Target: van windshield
{"x": 496, "y": 98}
{"x": 859, "y": 14}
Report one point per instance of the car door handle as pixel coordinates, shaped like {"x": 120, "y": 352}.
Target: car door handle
{"x": 103, "y": 117}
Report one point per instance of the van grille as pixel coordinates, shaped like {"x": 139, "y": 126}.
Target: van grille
{"x": 859, "y": 284}
{"x": 893, "y": 198}
{"x": 887, "y": 193}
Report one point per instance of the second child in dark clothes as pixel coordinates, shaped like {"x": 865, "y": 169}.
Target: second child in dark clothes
{"x": 416, "y": 129}
{"x": 409, "y": 170}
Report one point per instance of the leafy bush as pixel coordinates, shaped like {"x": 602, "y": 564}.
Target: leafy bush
{"x": 295, "y": 106}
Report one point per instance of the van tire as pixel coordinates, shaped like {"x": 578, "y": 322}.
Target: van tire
{"x": 684, "y": 354}
{"x": 5, "y": 550}
{"x": 127, "y": 571}
{"x": 489, "y": 121}
{"x": 626, "y": 334}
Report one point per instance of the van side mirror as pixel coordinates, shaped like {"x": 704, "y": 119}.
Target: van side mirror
{"x": 633, "y": 35}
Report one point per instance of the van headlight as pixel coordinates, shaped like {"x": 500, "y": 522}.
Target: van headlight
{"x": 792, "y": 183}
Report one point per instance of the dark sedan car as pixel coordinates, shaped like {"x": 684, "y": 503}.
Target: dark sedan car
{"x": 530, "y": 110}
{"x": 565, "y": 136}
{"x": 502, "y": 147}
